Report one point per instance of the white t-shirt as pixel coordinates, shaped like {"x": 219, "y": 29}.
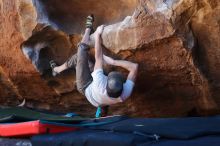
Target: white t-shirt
{"x": 96, "y": 92}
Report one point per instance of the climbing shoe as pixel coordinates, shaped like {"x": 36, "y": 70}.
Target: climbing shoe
{"x": 89, "y": 21}
{"x": 53, "y": 65}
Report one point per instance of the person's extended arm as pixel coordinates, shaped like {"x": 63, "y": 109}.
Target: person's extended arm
{"x": 130, "y": 66}
{"x": 98, "y": 48}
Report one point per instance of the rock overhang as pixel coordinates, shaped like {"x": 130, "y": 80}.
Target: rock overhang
{"x": 69, "y": 15}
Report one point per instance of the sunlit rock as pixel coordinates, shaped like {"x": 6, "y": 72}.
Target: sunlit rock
{"x": 152, "y": 20}
{"x": 28, "y": 17}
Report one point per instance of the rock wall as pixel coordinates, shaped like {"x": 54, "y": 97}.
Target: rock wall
{"x": 206, "y": 27}
{"x": 175, "y": 42}
{"x": 20, "y": 78}
{"x": 59, "y": 13}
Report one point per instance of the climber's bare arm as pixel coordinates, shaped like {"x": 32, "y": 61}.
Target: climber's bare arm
{"x": 130, "y": 66}
{"x": 98, "y": 48}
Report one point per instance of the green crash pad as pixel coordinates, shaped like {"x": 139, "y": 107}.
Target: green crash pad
{"x": 22, "y": 114}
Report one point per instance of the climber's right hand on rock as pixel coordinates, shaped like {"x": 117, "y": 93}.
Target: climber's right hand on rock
{"x": 99, "y": 30}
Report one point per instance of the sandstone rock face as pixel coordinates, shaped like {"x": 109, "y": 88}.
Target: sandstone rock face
{"x": 8, "y": 93}
{"x": 152, "y": 20}
{"x": 27, "y": 16}
{"x": 175, "y": 42}
{"x": 69, "y": 16}
{"x": 20, "y": 72}
{"x": 206, "y": 27}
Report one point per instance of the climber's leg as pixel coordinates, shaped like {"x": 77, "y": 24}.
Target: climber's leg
{"x": 83, "y": 74}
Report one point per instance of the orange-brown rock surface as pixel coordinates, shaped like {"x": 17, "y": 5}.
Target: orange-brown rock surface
{"x": 175, "y": 42}
{"x": 15, "y": 67}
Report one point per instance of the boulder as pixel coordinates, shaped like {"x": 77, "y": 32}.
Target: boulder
{"x": 175, "y": 43}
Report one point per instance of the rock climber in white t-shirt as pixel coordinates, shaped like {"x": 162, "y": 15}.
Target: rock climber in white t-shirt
{"x": 99, "y": 89}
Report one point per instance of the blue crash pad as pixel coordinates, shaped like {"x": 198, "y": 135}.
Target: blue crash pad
{"x": 141, "y": 132}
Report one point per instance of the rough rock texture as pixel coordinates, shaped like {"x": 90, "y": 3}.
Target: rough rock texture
{"x": 69, "y": 16}
{"x": 27, "y": 17}
{"x": 175, "y": 42}
{"x": 206, "y": 28}
{"x": 8, "y": 92}
{"x": 152, "y": 20}
{"x": 14, "y": 27}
